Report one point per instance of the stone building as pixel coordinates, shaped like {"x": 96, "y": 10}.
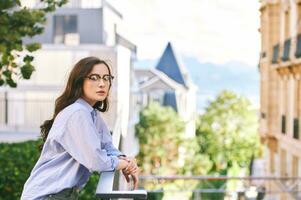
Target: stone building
{"x": 280, "y": 91}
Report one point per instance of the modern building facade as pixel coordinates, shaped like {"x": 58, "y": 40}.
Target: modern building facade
{"x": 78, "y": 29}
{"x": 280, "y": 90}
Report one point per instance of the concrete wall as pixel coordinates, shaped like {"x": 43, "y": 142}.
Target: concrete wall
{"x": 89, "y": 26}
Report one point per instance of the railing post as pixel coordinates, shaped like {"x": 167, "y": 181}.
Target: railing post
{"x": 6, "y": 107}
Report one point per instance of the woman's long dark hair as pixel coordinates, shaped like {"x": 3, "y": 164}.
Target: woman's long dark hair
{"x": 74, "y": 90}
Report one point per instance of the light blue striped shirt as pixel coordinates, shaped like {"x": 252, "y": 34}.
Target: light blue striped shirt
{"x": 78, "y": 143}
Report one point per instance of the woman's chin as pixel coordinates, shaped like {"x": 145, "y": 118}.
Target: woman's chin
{"x": 100, "y": 98}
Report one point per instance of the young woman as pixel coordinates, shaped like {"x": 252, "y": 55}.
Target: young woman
{"x": 77, "y": 140}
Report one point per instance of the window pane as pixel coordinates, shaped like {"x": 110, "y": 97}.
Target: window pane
{"x": 70, "y": 24}
{"x": 63, "y": 25}
{"x": 58, "y": 29}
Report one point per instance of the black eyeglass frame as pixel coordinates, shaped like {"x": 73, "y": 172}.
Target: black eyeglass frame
{"x": 98, "y": 77}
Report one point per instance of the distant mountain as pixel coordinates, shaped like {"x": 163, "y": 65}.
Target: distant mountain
{"x": 212, "y": 78}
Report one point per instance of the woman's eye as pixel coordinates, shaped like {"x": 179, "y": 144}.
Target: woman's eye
{"x": 94, "y": 78}
{"x": 106, "y": 77}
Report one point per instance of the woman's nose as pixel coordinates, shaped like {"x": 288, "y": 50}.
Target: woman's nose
{"x": 101, "y": 83}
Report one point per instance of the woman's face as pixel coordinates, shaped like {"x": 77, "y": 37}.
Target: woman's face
{"x": 96, "y": 85}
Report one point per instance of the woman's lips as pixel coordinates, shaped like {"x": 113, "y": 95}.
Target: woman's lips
{"x": 101, "y": 92}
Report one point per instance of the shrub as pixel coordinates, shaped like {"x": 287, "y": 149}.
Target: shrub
{"x": 17, "y": 161}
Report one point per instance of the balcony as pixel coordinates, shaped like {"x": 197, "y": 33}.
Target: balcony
{"x": 256, "y": 186}
{"x": 286, "y": 50}
{"x": 275, "y": 54}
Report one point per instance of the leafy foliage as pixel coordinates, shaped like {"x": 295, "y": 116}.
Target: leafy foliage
{"x": 17, "y": 160}
{"x": 16, "y": 23}
{"x": 164, "y": 150}
{"x": 226, "y": 140}
{"x": 163, "y": 146}
{"x": 227, "y": 132}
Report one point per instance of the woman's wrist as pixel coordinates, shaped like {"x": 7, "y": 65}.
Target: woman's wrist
{"x": 123, "y": 164}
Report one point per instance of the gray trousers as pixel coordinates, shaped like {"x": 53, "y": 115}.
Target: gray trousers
{"x": 66, "y": 194}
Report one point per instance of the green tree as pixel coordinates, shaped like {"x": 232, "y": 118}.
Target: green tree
{"x": 16, "y": 23}
{"x": 159, "y": 133}
{"x": 227, "y": 134}
{"x": 164, "y": 149}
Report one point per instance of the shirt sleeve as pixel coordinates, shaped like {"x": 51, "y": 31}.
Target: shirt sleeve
{"x": 107, "y": 144}
{"x": 81, "y": 141}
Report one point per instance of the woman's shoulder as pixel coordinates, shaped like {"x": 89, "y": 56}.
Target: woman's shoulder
{"x": 64, "y": 116}
{"x": 70, "y": 110}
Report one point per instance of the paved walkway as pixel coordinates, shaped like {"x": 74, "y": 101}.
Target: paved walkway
{"x": 17, "y": 136}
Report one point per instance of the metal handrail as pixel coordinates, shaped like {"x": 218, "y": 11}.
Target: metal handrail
{"x": 201, "y": 177}
{"x": 281, "y": 184}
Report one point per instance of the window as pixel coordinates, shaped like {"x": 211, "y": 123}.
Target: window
{"x": 296, "y": 128}
{"x": 65, "y": 29}
{"x": 275, "y": 54}
{"x": 283, "y": 124}
{"x": 298, "y": 50}
{"x": 286, "y": 50}
{"x": 296, "y": 109}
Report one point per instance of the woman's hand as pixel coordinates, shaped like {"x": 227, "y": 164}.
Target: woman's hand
{"x": 134, "y": 177}
{"x": 132, "y": 170}
{"x": 132, "y": 167}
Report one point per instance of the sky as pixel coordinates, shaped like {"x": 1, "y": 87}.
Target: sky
{"x": 216, "y": 31}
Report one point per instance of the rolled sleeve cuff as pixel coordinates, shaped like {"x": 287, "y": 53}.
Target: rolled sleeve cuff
{"x": 115, "y": 162}
{"x": 115, "y": 153}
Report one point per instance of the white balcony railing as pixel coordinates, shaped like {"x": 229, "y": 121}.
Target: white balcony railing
{"x": 105, "y": 184}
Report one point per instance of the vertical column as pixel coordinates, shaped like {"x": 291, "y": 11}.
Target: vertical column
{"x": 293, "y": 19}
{"x": 291, "y": 86}
{"x": 283, "y": 163}
{"x": 281, "y": 102}
{"x": 295, "y": 166}
{"x": 284, "y": 116}
{"x": 298, "y": 99}
{"x": 274, "y": 26}
{"x": 298, "y": 17}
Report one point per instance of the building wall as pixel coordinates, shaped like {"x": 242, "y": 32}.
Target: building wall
{"x": 111, "y": 22}
{"x": 89, "y": 25}
{"x": 33, "y": 101}
{"x": 280, "y": 88}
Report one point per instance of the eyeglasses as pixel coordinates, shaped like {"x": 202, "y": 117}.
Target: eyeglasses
{"x": 96, "y": 78}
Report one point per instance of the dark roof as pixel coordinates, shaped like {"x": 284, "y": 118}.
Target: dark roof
{"x": 169, "y": 99}
{"x": 168, "y": 64}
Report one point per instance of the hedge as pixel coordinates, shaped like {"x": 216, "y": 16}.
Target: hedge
{"x": 16, "y": 163}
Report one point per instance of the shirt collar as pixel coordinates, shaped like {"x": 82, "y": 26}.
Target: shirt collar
{"x": 85, "y": 104}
